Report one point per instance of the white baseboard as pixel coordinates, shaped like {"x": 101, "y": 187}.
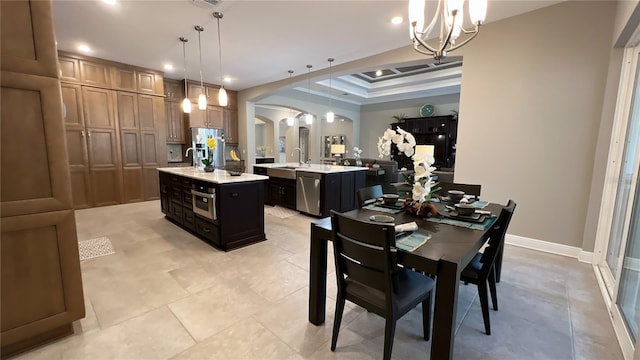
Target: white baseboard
{"x": 549, "y": 247}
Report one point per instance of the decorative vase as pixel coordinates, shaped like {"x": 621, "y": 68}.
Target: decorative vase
{"x": 358, "y": 162}
{"x": 208, "y": 168}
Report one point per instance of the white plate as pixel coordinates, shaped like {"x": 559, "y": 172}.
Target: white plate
{"x": 382, "y": 218}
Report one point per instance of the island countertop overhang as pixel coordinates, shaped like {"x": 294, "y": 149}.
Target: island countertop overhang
{"x": 216, "y": 177}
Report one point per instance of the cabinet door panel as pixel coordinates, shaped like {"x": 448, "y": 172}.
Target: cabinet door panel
{"x": 69, "y": 69}
{"x": 80, "y": 187}
{"x": 194, "y": 91}
{"x": 95, "y": 74}
{"x": 133, "y": 189}
{"x": 39, "y": 294}
{"x": 214, "y": 117}
{"x": 41, "y": 182}
{"x": 231, "y": 126}
{"x": 151, "y": 188}
{"x": 150, "y": 83}
{"x": 148, "y": 112}
{"x": 127, "y": 110}
{"x": 168, "y": 106}
{"x": 27, "y": 38}
{"x": 76, "y": 147}
{"x": 197, "y": 117}
{"x": 150, "y": 147}
{"x": 103, "y": 148}
{"x": 123, "y": 78}
{"x": 98, "y": 108}
{"x": 72, "y": 100}
{"x": 130, "y": 148}
{"x": 106, "y": 186}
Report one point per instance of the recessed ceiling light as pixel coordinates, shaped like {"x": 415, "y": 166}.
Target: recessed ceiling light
{"x": 168, "y": 67}
{"x": 110, "y": 2}
{"x": 227, "y": 79}
{"x": 397, "y": 20}
{"x": 378, "y": 72}
{"x": 84, "y": 48}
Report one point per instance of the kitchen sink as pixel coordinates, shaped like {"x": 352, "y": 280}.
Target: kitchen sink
{"x": 285, "y": 172}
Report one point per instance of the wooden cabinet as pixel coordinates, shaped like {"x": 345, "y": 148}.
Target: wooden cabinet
{"x": 240, "y": 210}
{"x": 211, "y": 118}
{"x": 95, "y": 74}
{"x": 194, "y": 90}
{"x": 231, "y": 126}
{"x": 281, "y": 192}
{"x": 175, "y": 126}
{"x": 69, "y": 69}
{"x": 338, "y": 191}
{"x": 173, "y": 91}
{"x": 76, "y": 145}
{"x": 440, "y": 131}
{"x": 149, "y": 82}
{"x": 41, "y": 287}
{"x": 123, "y": 78}
{"x": 31, "y": 48}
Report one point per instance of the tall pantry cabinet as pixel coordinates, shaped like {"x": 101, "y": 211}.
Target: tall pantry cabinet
{"x": 41, "y": 287}
{"x": 115, "y": 127}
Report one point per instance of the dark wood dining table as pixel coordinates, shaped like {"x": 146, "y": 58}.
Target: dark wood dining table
{"x": 445, "y": 255}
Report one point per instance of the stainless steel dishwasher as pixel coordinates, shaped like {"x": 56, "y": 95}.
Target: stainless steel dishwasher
{"x": 308, "y": 192}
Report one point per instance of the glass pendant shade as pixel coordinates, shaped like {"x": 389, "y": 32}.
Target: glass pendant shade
{"x": 186, "y": 106}
{"x": 330, "y": 117}
{"x": 477, "y": 11}
{"x": 222, "y": 96}
{"x": 290, "y": 121}
{"x": 202, "y": 102}
{"x": 308, "y": 119}
{"x": 416, "y": 14}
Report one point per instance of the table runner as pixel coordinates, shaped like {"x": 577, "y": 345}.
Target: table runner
{"x": 476, "y": 226}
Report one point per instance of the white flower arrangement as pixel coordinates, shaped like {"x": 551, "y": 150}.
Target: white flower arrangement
{"x": 420, "y": 184}
{"x": 357, "y": 152}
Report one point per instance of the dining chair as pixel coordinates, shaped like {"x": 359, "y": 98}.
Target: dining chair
{"x": 498, "y": 265}
{"x": 368, "y": 275}
{"x": 368, "y": 193}
{"x": 481, "y": 269}
{"x": 469, "y": 189}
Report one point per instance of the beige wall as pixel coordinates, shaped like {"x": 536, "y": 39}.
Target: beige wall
{"x": 530, "y": 105}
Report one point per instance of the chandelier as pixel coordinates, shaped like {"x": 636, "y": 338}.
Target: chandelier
{"x": 450, "y": 14}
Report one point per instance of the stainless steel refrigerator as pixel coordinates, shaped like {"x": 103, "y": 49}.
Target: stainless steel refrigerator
{"x": 199, "y": 138}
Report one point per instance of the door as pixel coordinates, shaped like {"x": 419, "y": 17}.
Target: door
{"x": 129, "y": 122}
{"x": 619, "y": 226}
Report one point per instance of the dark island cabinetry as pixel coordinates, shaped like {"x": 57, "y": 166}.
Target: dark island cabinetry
{"x": 236, "y": 215}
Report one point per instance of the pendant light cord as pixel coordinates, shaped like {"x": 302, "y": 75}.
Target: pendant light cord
{"x": 200, "y": 29}
{"x": 218, "y": 17}
{"x": 184, "y": 62}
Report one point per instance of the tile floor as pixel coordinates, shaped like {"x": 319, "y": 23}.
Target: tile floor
{"x": 165, "y": 294}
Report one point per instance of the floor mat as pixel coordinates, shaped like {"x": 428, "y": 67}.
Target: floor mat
{"x": 93, "y": 248}
{"x": 280, "y": 212}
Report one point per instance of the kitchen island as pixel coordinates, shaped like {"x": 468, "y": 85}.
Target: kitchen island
{"x": 226, "y": 211}
{"x": 313, "y": 189}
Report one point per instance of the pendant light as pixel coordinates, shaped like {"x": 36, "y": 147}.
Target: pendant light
{"x": 186, "y": 103}
{"x": 308, "y": 118}
{"x": 290, "y": 119}
{"x": 330, "y": 115}
{"x": 202, "y": 99}
{"x": 222, "y": 93}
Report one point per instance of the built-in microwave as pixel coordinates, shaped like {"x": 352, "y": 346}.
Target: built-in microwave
{"x": 204, "y": 201}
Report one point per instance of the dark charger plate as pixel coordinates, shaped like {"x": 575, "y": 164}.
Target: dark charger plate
{"x": 476, "y": 218}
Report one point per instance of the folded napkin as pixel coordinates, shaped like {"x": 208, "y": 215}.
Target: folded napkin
{"x": 412, "y": 242}
{"x": 411, "y": 226}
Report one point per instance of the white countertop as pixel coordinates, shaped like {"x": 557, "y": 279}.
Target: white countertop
{"x": 216, "y": 177}
{"x": 316, "y": 168}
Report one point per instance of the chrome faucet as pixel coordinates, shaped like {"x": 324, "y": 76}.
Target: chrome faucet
{"x": 300, "y": 157}
{"x": 194, "y": 158}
